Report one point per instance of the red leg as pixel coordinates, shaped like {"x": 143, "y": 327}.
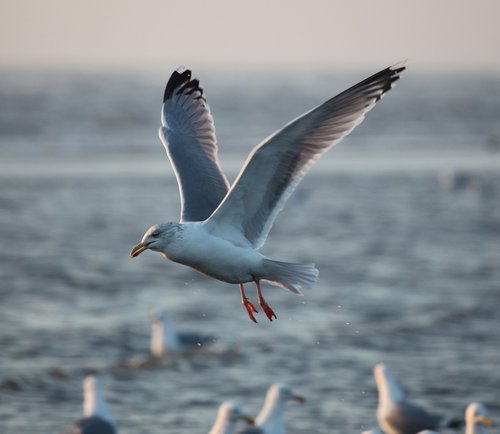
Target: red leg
{"x": 265, "y": 307}
{"x": 247, "y": 304}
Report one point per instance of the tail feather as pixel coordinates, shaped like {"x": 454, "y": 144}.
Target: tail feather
{"x": 294, "y": 277}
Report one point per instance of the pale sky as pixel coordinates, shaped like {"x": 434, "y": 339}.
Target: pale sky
{"x": 431, "y": 34}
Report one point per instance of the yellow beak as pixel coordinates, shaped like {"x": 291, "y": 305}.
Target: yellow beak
{"x": 300, "y": 398}
{"x": 137, "y": 250}
{"x": 486, "y": 421}
{"x": 249, "y": 420}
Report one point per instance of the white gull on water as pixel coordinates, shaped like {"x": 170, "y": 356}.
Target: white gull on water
{"x": 96, "y": 417}
{"x": 270, "y": 418}
{"x": 221, "y": 226}
{"x": 476, "y": 419}
{"x": 228, "y": 415}
{"x": 396, "y": 415}
{"x": 166, "y": 339}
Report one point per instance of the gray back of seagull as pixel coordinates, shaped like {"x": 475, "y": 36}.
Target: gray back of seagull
{"x": 407, "y": 418}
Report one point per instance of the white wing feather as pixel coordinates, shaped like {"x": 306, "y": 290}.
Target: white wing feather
{"x": 188, "y": 135}
{"x": 275, "y": 167}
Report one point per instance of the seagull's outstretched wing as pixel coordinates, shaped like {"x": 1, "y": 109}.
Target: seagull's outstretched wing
{"x": 187, "y": 131}
{"x": 275, "y": 167}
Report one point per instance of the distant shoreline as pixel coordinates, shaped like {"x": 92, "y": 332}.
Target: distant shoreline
{"x": 130, "y": 166}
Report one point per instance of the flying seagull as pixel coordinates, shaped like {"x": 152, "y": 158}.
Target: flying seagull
{"x": 221, "y": 226}
{"x": 397, "y": 415}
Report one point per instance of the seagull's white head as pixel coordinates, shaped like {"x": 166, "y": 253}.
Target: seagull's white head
{"x": 229, "y": 413}
{"x": 94, "y": 403}
{"x": 161, "y": 317}
{"x": 390, "y": 392}
{"x": 283, "y": 393}
{"x": 270, "y": 418}
{"x": 164, "y": 336}
{"x": 233, "y": 412}
{"x": 476, "y": 416}
{"x": 157, "y": 238}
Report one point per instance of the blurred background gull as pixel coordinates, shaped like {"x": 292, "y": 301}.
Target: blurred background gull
{"x": 409, "y": 265}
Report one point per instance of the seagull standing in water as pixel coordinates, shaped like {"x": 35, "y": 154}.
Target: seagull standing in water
{"x": 166, "y": 340}
{"x": 397, "y": 415}
{"x": 221, "y": 226}
{"x": 96, "y": 417}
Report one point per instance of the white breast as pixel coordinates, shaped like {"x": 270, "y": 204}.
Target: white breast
{"x": 214, "y": 256}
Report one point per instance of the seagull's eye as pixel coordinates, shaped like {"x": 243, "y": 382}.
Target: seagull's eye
{"x": 155, "y": 234}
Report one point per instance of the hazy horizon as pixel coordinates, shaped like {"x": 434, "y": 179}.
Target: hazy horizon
{"x": 446, "y": 35}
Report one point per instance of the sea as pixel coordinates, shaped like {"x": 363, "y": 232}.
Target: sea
{"x": 402, "y": 219}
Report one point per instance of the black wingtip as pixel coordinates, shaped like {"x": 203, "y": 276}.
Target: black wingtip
{"x": 388, "y": 76}
{"x": 396, "y": 71}
{"x": 177, "y": 79}
{"x": 399, "y": 67}
{"x": 180, "y": 81}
